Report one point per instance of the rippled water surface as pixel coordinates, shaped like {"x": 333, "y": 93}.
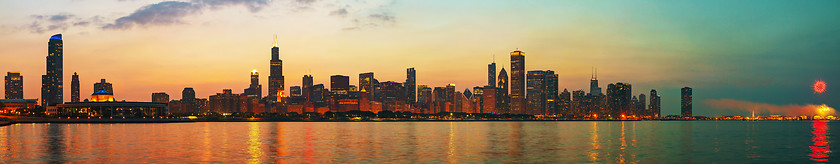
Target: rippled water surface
{"x": 423, "y": 142}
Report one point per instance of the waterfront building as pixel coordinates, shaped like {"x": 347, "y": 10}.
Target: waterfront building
{"x": 276, "y": 82}
{"x": 685, "y": 107}
{"x": 254, "y": 88}
{"x": 517, "y": 82}
{"x": 11, "y": 105}
{"x": 52, "y": 90}
{"x": 14, "y": 85}
{"x": 411, "y": 86}
{"x": 594, "y": 89}
{"x": 306, "y": 88}
{"x": 619, "y": 99}
{"x": 225, "y": 102}
{"x": 489, "y": 100}
{"x": 424, "y": 98}
{"x": 491, "y": 74}
{"x": 368, "y": 83}
{"x": 502, "y": 97}
{"x": 536, "y": 89}
{"x": 160, "y": 97}
{"x": 654, "y": 104}
{"x": 74, "y": 88}
{"x": 550, "y": 93}
{"x": 565, "y": 103}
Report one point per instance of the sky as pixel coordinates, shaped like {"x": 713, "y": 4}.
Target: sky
{"x": 739, "y": 56}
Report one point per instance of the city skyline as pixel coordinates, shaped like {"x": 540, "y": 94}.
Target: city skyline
{"x": 710, "y": 78}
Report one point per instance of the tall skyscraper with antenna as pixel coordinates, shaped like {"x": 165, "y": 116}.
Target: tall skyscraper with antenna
{"x": 275, "y": 78}
{"x": 594, "y": 89}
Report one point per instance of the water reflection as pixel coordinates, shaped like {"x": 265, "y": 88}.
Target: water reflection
{"x": 820, "y": 150}
{"x": 254, "y": 142}
{"x": 54, "y": 142}
{"x": 426, "y": 142}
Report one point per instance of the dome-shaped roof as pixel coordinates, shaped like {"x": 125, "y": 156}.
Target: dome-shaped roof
{"x": 102, "y": 92}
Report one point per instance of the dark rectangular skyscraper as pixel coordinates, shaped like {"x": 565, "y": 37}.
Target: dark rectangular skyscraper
{"x": 340, "y": 86}
{"x": 368, "y": 83}
{"x": 276, "y": 83}
{"x": 491, "y": 74}
{"x": 536, "y": 95}
{"x": 685, "y": 109}
{"x": 411, "y": 86}
{"x": 52, "y": 90}
{"x": 550, "y": 92}
{"x": 14, "y": 85}
{"x": 306, "y": 88}
{"x": 619, "y": 99}
{"x": 517, "y": 82}
{"x": 74, "y": 88}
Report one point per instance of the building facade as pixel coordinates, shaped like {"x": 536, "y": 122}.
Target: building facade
{"x": 685, "y": 107}
{"x": 75, "y": 94}
{"x": 517, "y": 82}
{"x": 14, "y": 85}
{"x": 52, "y": 90}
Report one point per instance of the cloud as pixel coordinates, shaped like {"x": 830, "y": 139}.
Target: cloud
{"x": 342, "y": 12}
{"x": 173, "y": 12}
{"x": 757, "y": 107}
{"x": 62, "y": 21}
{"x": 386, "y": 17}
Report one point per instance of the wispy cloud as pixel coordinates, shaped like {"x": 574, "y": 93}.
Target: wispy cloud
{"x": 59, "y": 22}
{"x": 758, "y": 107}
{"x": 173, "y": 12}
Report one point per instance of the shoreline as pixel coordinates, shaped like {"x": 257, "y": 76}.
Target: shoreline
{"x": 117, "y": 121}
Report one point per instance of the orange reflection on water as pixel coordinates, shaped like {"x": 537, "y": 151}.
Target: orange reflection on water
{"x": 254, "y": 142}
{"x": 593, "y": 154}
{"x": 820, "y": 149}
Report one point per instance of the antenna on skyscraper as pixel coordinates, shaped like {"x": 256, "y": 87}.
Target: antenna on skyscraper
{"x": 275, "y": 40}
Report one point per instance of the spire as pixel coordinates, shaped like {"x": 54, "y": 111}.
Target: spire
{"x": 275, "y": 40}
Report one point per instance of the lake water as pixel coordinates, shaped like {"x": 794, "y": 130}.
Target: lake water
{"x": 424, "y": 142}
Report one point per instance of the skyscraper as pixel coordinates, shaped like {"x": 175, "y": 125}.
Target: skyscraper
{"x": 594, "y": 89}
{"x": 491, "y": 74}
{"x": 102, "y": 85}
{"x": 536, "y": 96}
{"x": 14, "y": 85}
{"x": 517, "y": 82}
{"x": 367, "y": 82}
{"x": 74, "y": 88}
{"x": 255, "y": 88}
{"x": 276, "y": 83}
{"x": 307, "y": 88}
{"x": 619, "y": 99}
{"x": 654, "y": 104}
{"x": 340, "y": 86}
{"x": 52, "y": 90}
{"x": 565, "y": 104}
{"x": 685, "y": 109}
{"x": 550, "y": 92}
{"x": 502, "y": 97}
{"x": 424, "y": 98}
{"x": 411, "y": 86}
{"x": 188, "y": 102}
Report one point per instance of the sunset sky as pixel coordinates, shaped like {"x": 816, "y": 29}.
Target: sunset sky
{"x": 767, "y": 53}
